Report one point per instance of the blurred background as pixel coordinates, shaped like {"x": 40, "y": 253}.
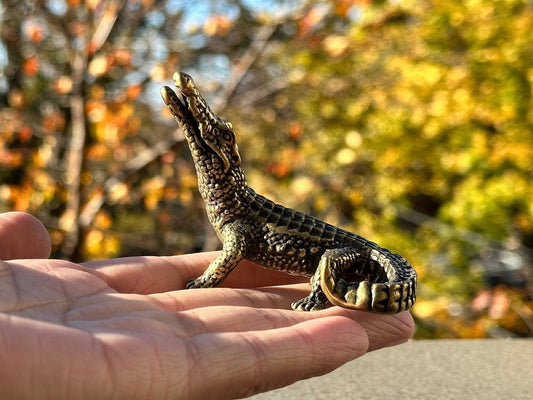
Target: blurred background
{"x": 409, "y": 122}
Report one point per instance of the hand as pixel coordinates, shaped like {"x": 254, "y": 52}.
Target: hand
{"x": 122, "y": 328}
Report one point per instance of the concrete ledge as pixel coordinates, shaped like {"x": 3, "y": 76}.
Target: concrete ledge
{"x": 427, "y": 369}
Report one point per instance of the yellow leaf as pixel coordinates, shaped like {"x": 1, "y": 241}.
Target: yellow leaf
{"x": 119, "y": 192}
{"x": 336, "y": 46}
{"x": 63, "y": 85}
{"x": 98, "y": 66}
{"x": 346, "y": 156}
{"x": 102, "y": 220}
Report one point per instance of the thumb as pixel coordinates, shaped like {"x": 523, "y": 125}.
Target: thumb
{"x": 23, "y": 236}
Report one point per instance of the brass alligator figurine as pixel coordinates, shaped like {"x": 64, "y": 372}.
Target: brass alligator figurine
{"x": 345, "y": 268}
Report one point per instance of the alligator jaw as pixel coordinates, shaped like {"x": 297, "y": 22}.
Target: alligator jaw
{"x": 185, "y": 83}
{"x": 176, "y": 103}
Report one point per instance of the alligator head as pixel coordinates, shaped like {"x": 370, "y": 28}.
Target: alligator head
{"x": 206, "y": 132}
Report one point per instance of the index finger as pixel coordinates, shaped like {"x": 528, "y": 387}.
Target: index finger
{"x": 148, "y": 275}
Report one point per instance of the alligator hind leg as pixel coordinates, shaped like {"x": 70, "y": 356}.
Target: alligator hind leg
{"x": 367, "y": 279}
{"x": 316, "y": 300}
{"x": 334, "y": 262}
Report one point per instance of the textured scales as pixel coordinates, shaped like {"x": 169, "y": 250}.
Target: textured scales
{"x": 345, "y": 268}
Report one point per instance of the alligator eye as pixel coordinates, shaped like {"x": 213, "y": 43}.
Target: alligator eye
{"x": 227, "y": 136}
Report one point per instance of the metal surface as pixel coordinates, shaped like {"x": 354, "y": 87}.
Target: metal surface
{"x": 345, "y": 268}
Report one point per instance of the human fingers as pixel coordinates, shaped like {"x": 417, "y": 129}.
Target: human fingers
{"x": 265, "y": 297}
{"x": 268, "y": 308}
{"x": 239, "y": 364}
{"x": 241, "y": 319}
{"x": 23, "y": 236}
{"x": 146, "y": 275}
{"x": 386, "y": 330}
{"x": 382, "y": 330}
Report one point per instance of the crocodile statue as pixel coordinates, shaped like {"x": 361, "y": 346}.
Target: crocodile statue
{"x": 343, "y": 267}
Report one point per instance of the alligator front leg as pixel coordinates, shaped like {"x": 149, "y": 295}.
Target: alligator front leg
{"x": 232, "y": 252}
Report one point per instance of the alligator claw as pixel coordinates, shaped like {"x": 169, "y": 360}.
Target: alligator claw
{"x": 194, "y": 284}
{"x": 309, "y": 303}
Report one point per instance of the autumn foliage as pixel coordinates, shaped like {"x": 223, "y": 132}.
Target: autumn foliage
{"x": 408, "y": 122}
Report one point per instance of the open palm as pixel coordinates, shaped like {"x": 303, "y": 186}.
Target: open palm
{"x": 123, "y": 328}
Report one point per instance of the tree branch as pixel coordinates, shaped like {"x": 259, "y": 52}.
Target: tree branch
{"x": 243, "y": 65}
{"x": 74, "y": 157}
{"x": 70, "y": 220}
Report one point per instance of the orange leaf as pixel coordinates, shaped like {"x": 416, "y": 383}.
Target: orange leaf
{"x": 11, "y": 158}
{"x": 30, "y": 66}
{"x": 92, "y": 4}
{"x": 102, "y": 220}
{"x": 97, "y": 151}
{"x": 217, "y": 25}
{"x": 53, "y": 122}
{"x": 295, "y": 130}
{"x": 279, "y": 169}
{"x": 309, "y": 21}
{"x": 25, "y": 133}
{"x": 122, "y": 57}
{"x": 92, "y": 47}
{"x": 96, "y": 111}
{"x": 35, "y": 33}
{"x": 133, "y": 91}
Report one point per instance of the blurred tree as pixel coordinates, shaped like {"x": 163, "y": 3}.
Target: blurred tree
{"x": 408, "y": 122}
{"x": 417, "y": 124}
